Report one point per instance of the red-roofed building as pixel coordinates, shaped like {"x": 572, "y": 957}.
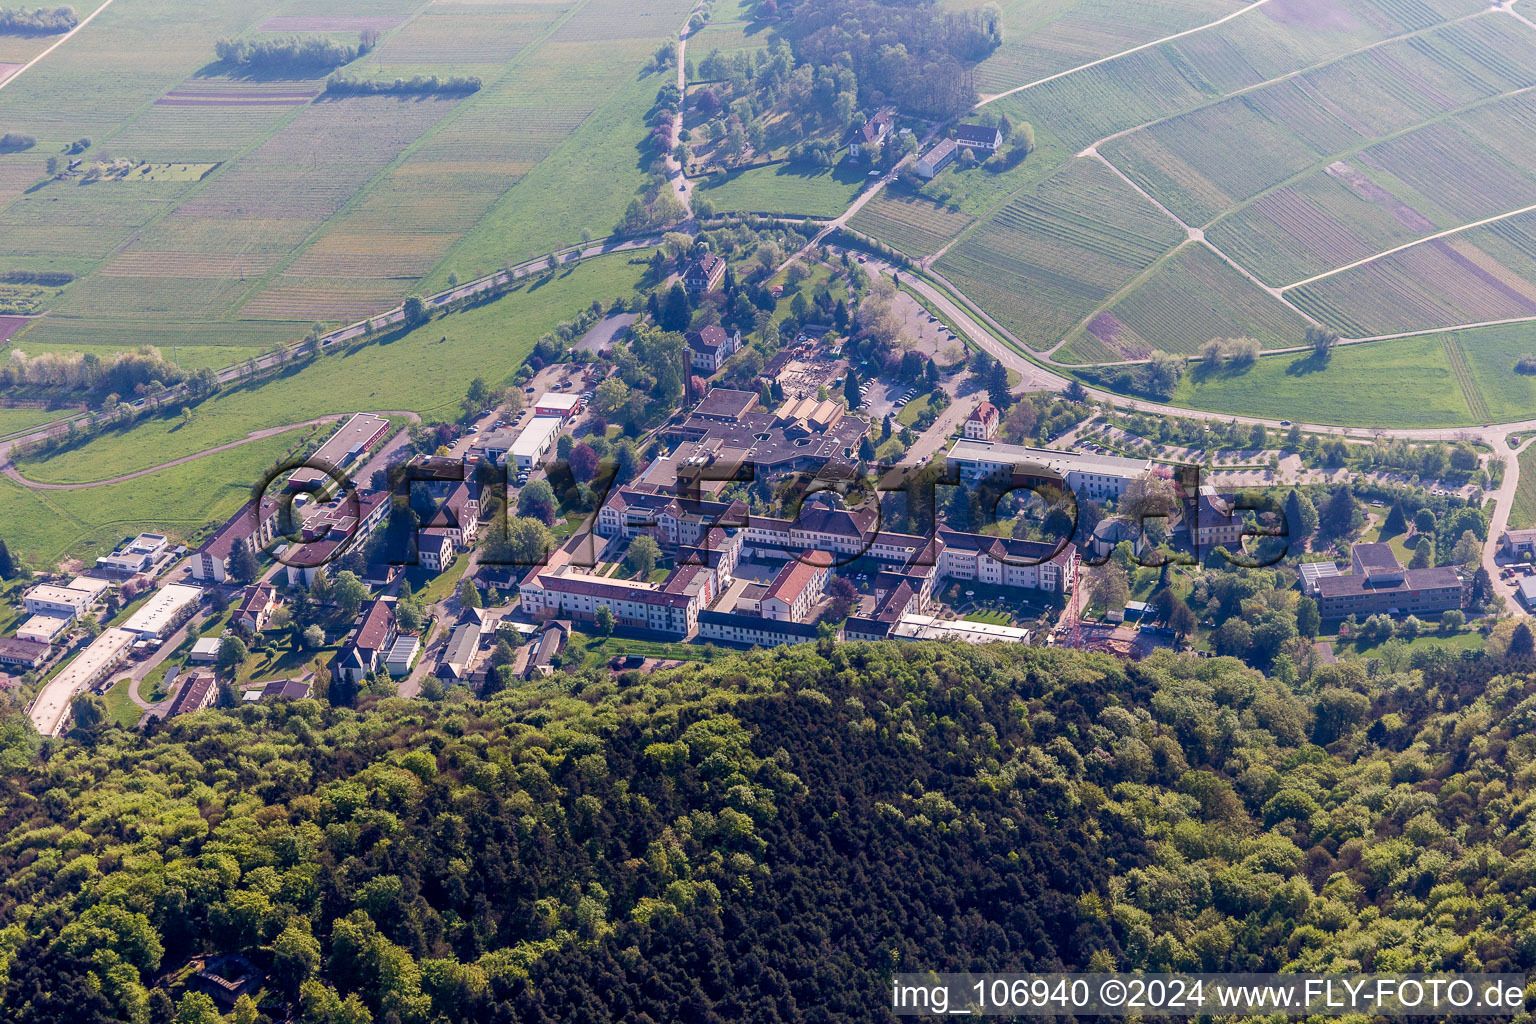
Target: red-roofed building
{"x": 256, "y": 607}
{"x": 704, "y": 274}
{"x": 366, "y": 649}
{"x": 982, "y": 424}
{"x": 794, "y": 592}
{"x": 253, "y": 528}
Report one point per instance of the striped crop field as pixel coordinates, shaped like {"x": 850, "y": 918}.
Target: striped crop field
{"x": 1191, "y": 299}
{"x": 914, "y": 224}
{"x": 1476, "y": 276}
{"x": 1045, "y": 261}
{"x": 1187, "y": 162}
{"x": 1043, "y": 38}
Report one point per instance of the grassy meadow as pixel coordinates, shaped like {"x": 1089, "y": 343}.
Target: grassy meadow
{"x": 43, "y": 526}
{"x": 1405, "y": 383}
{"x": 425, "y": 371}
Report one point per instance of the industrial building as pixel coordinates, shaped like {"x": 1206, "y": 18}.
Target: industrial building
{"x": 159, "y": 617}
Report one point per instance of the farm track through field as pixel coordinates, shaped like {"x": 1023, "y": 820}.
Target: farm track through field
{"x": 1469, "y": 389}
{"x": 1123, "y": 53}
{"x": 13, "y": 473}
{"x": 66, "y": 37}
{"x": 364, "y": 190}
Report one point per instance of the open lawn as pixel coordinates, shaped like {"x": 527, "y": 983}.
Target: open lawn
{"x": 121, "y": 709}
{"x": 13, "y": 420}
{"x": 1422, "y": 391}
{"x": 1522, "y": 510}
{"x": 426, "y": 370}
{"x": 792, "y": 189}
{"x": 597, "y": 650}
{"x": 43, "y": 526}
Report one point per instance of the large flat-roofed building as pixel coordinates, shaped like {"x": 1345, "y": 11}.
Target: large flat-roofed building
{"x": 537, "y": 438}
{"x": 136, "y": 556}
{"x": 161, "y": 614}
{"x": 51, "y": 709}
{"x": 24, "y": 654}
{"x": 42, "y": 629}
{"x": 1096, "y": 477}
{"x": 927, "y": 627}
{"x": 1379, "y": 584}
{"x": 557, "y": 403}
{"x": 59, "y": 602}
{"x": 341, "y": 449}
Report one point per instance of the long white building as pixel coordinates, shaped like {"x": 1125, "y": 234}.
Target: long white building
{"x": 51, "y": 709}
{"x": 1097, "y": 477}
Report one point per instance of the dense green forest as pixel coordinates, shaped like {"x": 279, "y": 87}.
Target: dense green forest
{"x": 769, "y": 837}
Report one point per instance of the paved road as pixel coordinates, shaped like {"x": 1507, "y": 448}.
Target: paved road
{"x": 674, "y": 169}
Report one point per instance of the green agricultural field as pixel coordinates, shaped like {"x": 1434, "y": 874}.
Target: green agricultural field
{"x": 13, "y": 420}
{"x": 332, "y": 209}
{"x": 1522, "y": 510}
{"x": 1351, "y": 389}
{"x": 42, "y": 526}
{"x": 1489, "y": 355}
{"x": 585, "y": 179}
{"x": 1186, "y": 302}
{"x": 727, "y": 37}
{"x": 1043, "y": 38}
{"x": 426, "y": 371}
{"x": 791, "y": 189}
{"x": 1049, "y": 258}
{"x": 914, "y": 224}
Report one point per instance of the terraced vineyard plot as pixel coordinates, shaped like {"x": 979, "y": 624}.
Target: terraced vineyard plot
{"x": 916, "y": 226}
{"x": 66, "y": 225}
{"x": 1195, "y": 297}
{"x": 463, "y": 38}
{"x": 600, "y": 20}
{"x": 1442, "y": 283}
{"x": 418, "y": 371}
{"x": 1324, "y": 221}
{"x": 61, "y": 332}
{"x": 1200, "y": 164}
{"x": 1277, "y": 39}
{"x": 1047, "y": 259}
{"x": 325, "y": 299}
{"x": 248, "y": 236}
{"x": 586, "y": 165}
{"x": 1041, "y": 39}
{"x": 1467, "y": 179}
{"x": 1191, "y": 164}
{"x": 19, "y": 172}
{"x": 124, "y": 60}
